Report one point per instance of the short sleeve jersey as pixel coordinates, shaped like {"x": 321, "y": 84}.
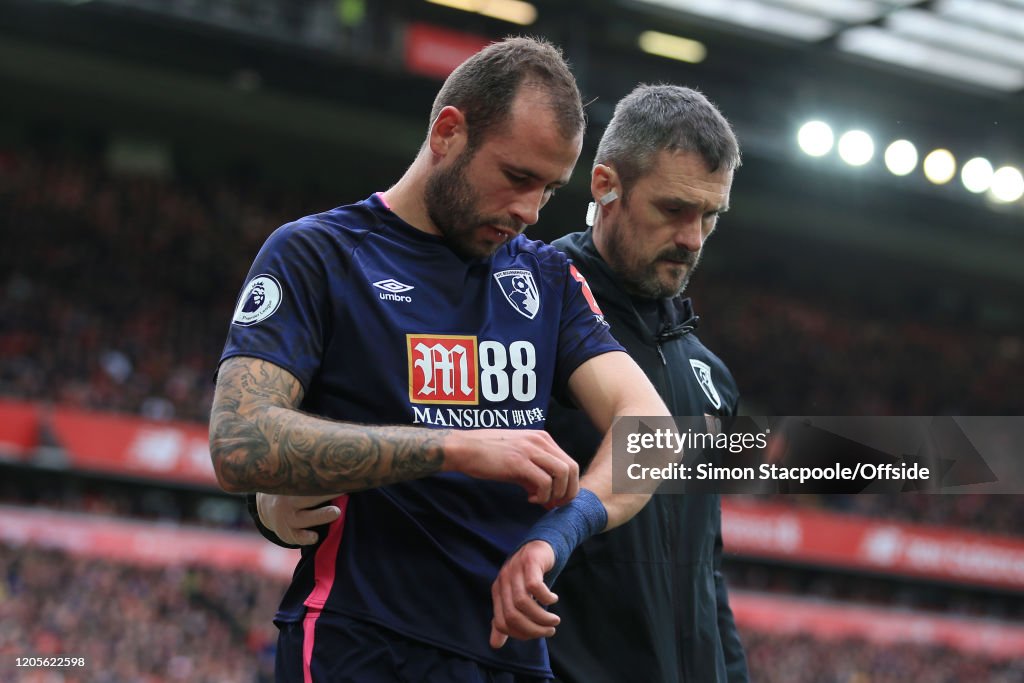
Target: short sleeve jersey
{"x": 384, "y": 324}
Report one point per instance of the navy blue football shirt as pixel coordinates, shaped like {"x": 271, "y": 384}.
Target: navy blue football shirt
{"x": 382, "y": 323}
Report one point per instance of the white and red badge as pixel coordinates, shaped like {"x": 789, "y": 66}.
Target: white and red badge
{"x": 442, "y": 368}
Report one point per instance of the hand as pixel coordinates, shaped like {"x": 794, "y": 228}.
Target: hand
{"x": 292, "y": 517}
{"x": 527, "y": 457}
{"x": 519, "y": 596}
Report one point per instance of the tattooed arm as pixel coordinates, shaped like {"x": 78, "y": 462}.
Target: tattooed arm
{"x": 260, "y": 441}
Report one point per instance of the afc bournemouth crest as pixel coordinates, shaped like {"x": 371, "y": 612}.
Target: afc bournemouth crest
{"x": 703, "y": 372}
{"x": 520, "y": 290}
{"x": 260, "y": 299}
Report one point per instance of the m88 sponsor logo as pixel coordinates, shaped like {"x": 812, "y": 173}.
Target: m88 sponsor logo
{"x": 459, "y": 370}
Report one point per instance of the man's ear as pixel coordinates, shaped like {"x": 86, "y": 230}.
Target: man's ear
{"x": 448, "y": 132}
{"x": 604, "y": 184}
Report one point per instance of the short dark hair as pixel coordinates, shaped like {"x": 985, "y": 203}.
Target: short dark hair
{"x": 654, "y": 118}
{"x": 484, "y": 86}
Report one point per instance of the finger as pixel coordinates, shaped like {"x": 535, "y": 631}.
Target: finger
{"x": 499, "y": 628}
{"x": 521, "y": 627}
{"x": 539, "y": 590}
{"x": 564, "y": 476}
{"x": 310, "y": 502}
{"x": 564, "y": 463}
{"x": 298, "y": 536}
{"x": 316, "y": 517}
{"x": 307, "y": 538}
{"x": 524, "y": 618}
{"x": 559, "y": 472}
{"x": 537, "y": 483}
{"x": 531, "y": 620}
{"x": 528, "y": 607}
{"x": 573, "y": 485}
{"x": 573, "y": 489}
{"x": 498, "y": 639}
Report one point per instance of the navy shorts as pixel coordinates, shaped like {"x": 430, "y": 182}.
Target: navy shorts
{"x": 344, "y": 650}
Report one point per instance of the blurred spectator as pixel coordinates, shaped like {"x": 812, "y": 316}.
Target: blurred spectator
{"x": 135, "y": 624}
{"x": 804, "y": 659}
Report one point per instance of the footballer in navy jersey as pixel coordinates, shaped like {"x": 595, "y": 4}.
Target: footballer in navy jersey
{"x": 384, "y": 323}
{"x": 395, "y": 357}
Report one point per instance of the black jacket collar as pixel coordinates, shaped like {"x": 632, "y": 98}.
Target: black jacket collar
{"x": 677, "y": 315}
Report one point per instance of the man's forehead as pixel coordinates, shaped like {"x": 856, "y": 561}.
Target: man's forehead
{"x": 685, "y": 176}
{"x": 534, "y": 146}
{"x": 539, "y": 108}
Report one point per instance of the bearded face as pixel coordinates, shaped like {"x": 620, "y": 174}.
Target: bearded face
{"x": 645, "y": 271}
{"x": 653, "y": 237}
{"x": 453, "y": 204}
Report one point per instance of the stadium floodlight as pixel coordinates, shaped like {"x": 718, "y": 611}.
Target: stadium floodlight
{"x": 672, "y": 47}
{"x": 856, "y": 147}
{"x": 901, "y": 157}
{"x": 976, "y": 175}
{"x": 940, "y": 166}
{"x": 815, "y": 138}
{"x": 512, "y": 11}
{"x": 1007, "y": 184}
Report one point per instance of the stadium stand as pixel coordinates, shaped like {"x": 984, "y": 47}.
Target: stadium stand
{"x": 131, "y": 279}
{"x": 132, "y": 623}
{"x": 78, "y": 343}
{"x": 806, "y": 659}
{"x": 116, "y": 284}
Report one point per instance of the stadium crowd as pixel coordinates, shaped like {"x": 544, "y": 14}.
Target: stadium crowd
{"x": 133, "y": 624}
{"x": 819, "y": 358}
{"x": 117, "y": 287}
{"x": 114, "y": 293}
{"x": 994, "y": 515}
{"x": 801, "y": 658}
{"x": 882, "y": 590}
{"x": 115, "y": 290}
{"x": 137, "y": 624}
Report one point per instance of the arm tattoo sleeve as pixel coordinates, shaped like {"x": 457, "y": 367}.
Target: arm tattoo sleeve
{"x": 259, "y": 441}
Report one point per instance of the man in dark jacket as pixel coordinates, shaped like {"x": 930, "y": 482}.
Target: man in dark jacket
{"x": 647, "y": 601}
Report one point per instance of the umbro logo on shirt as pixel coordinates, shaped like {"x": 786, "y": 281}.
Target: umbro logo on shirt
{"x": 392, "y": 290}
